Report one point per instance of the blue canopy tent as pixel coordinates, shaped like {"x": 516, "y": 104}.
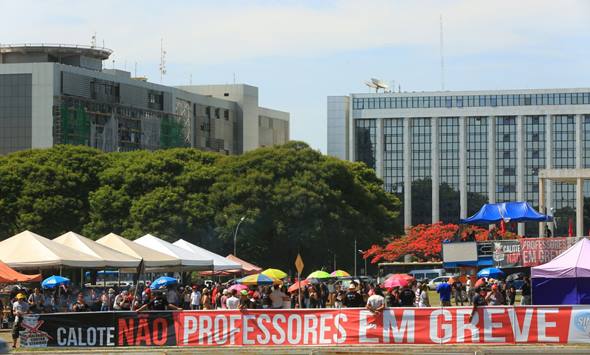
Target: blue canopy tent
{"x": 508, "y": 211}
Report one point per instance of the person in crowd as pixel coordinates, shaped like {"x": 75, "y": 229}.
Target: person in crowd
{"x": 104, "y": 302}
{"x": 526, "y": 292}
{"x": 195, "y": 298}
{"x": 222, "y": 304}
{"x": 494, "y": 297}
{"x": 479, "y": 300}
{"x": 324, "y": 293}
{"x": 352, "y": 298}
{"x": 423, "y": 300}
{"x": 158, "y": 303}
{"x": 416, "y": 287}
{"x": 407, "y": 297}
{"x": 80, "y": 305}
{"x": 172, "y": 296}
{"x": 444, "y": 291}
{"x": 548, "y": 233}
{"x": 36, "y": 301}
{"x": 510, "y": 293}
{"x": 265, "y": 301}
{"x": 469, "y": 289}
{"x": 19, "y": 308}
{"x": 458, "y": 291}
{"x": 314, "y": 297}
{"x": 244, "y": 300}
{"x": 186, "y": 298}
{"x": 122, "y": 301}
{"x": 394, "y": 300}
{"x": 233, "y": 302}
{"x": 376, "y": 302}
{"x": 206, "y": 299}
{"x": 277, "y": 297}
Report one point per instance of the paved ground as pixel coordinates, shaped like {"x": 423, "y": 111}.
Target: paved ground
{"x": 315, "y": 350}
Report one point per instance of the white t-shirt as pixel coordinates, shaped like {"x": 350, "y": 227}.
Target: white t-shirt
{"x": 195, "y": 298}
{"x": 276, "y": 296}
{"x": 375, "y": 301}
{"x": 233, "y": 302}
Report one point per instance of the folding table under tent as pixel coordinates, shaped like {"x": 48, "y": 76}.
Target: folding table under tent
{"x": 565, "y": 279}
{"x": 508, "y": 212}
{"x": 188, "y": 260}
{"x": 220, "y": 263}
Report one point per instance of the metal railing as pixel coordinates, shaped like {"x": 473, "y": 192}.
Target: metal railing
{"x": 53, "y": 45}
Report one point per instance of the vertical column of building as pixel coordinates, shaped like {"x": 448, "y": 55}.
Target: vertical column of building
{"x": 435, "y": 167}
{"x": 520, "y": 166}
{"x": 379, "y": 148}
{"x": 407, "y": 173}
{"x": 463, "y": 167}
{"x": 548, "y": 165}
{"x": 579, "y": 182}
{"x": 492, "y": 159}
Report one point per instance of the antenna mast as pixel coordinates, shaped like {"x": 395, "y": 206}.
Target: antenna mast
{"x": 93, "y": 41}
{"x": 162, "y": 60}
{"x": 442, "y": 56}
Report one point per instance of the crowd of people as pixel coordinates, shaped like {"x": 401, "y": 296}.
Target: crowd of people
{"x": 212, "y": 296}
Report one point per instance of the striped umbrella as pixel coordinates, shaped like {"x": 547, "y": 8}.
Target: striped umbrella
{"x": 258, "y": 279}
{"x": 340, "y": 273}
{"x": 275, "y": 273}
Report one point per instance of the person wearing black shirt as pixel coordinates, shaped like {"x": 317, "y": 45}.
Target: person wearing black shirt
{"x": 526, "y": 292}
{"x": 158, "y": 303}
{"x": 479, "y": 300}
{"x": 80, "y": 305}
{"x": 407, "y": 297}
{"x": 353, "y": 298}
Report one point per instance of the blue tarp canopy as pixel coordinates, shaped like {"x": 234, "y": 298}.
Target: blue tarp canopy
{"x": 507, "y": 211}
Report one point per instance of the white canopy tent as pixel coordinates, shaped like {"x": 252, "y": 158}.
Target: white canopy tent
{"x": 28, "y": 250}
{"x": 188, "y": 260}
{"x": 151, "y": 258}
{"x": 220, "y": 263}
{"x": 111, "y": 257}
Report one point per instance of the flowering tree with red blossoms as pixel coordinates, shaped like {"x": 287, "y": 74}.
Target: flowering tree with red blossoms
{"x": 424, "y": 242}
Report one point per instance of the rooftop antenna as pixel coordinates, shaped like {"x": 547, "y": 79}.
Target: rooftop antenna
{"x": 162, "y": 59}
{"x": 93, "y": 41}
{"x": 442, "y": 56}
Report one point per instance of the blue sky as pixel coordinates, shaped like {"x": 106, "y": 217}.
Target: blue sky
{"x": 299, "y": 52}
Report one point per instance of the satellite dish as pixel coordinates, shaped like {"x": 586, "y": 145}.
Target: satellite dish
{"x": 379, "y": 83}
{"x": 370, "y": 84}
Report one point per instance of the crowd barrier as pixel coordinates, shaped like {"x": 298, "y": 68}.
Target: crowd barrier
{"x": 350, "y": 326}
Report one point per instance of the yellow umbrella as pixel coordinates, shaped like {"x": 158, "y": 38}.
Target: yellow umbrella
{"x": 258, "y": 279}
{"x": 275, "y": 273}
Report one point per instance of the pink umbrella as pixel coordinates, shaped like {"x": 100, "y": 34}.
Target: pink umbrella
{"x": 395, "y": 282}
{"x": 237, "y": 287}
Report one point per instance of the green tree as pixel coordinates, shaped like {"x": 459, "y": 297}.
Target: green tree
{"x": 297, "y": 200}
{"x": 46, "y": 190}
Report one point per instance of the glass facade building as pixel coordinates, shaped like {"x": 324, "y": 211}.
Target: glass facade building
{"x": 473, "y": 146}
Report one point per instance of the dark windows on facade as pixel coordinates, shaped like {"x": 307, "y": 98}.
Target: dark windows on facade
{"x": 393, "y": 154}
{"x": 365, "y": 133}
{"x": 505, "y": 158}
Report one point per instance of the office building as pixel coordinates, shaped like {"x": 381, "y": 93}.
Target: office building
{"x": 61, "y": 94}
{"x": 485, "y": 145}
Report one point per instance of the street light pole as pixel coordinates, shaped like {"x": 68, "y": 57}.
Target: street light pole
{"x": 236, "y": 234}
{"x": 355, "y": 257}
{"x": 362, "y": 252}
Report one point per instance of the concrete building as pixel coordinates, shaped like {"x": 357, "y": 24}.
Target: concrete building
{"x": 58, "y": 94}
{"x": 483, "y": 144}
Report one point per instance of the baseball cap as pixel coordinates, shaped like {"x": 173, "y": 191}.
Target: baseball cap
{"x": 20, "y": 296}
{"x": 351, "y": 287}
{"x": 244, "y": 292}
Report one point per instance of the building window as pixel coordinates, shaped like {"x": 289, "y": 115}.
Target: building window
{"x": 393, "y": 154}
{"x": 226, "y": 115}
{"x": 366, "y": 141}
{"x": 505, "y": 160}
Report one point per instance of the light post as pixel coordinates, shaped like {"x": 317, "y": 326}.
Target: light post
{"x": 355, "y": 257}
{"x": 362, "y": 252}
{"x": 236, "y": 233}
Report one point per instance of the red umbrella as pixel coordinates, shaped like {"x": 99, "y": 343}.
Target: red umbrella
{"x": 395, "y": 282}
{"x": 406, "y": 277}
{"x": 297, "y": 285}
{"x": 237, "y": 287}
{"x": 479, "y": 283}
